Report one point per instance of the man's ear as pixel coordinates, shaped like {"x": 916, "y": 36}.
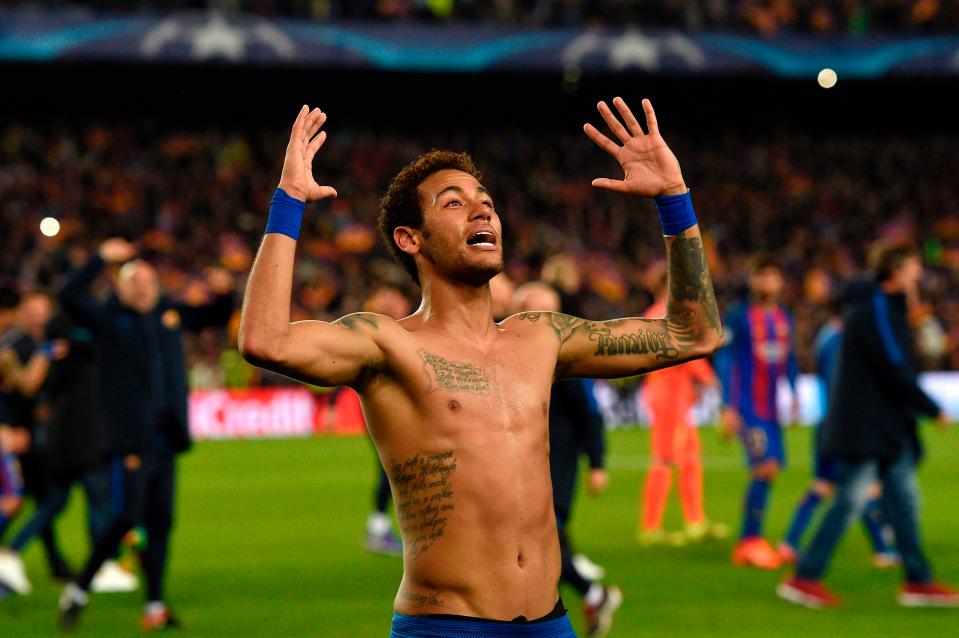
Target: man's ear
{"x": 408, "y": 239}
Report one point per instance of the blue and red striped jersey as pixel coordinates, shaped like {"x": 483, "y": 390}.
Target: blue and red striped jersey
{"x": 758, "y": 351}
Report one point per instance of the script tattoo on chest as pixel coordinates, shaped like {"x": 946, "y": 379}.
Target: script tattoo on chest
{"x": 454, "y": 376}
{"x": 424, "y": 498}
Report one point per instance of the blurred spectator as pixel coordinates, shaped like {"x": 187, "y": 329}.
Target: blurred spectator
{"x": 197, "y": 197}
{"x": 24, "y": 364}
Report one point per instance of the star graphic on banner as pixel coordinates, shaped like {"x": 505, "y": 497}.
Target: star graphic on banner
{"x": 218, "y": 38}
{"x": 634, "y": 49}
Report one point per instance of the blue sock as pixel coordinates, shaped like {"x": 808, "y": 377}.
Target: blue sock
{"x": 873, "y": 521}
{"x": 756, "y": 497}
{"x": 801, "y": 518}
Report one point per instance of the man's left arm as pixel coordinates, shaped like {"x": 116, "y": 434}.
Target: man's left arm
{"x": 215, "y": 313}
{"x": 28, "y": 378}
{"x": 691, "y": 327}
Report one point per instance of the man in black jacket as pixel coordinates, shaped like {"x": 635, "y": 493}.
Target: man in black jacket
{"x": 143, "y": 403}
{"x": 871, "y": 429}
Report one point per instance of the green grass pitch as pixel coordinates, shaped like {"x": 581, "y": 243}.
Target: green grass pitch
{"x": 268, "y": 543}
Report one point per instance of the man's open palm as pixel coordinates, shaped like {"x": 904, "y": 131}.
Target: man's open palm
{"x": 649, "y": 166}
{"x": 297, "y": 177}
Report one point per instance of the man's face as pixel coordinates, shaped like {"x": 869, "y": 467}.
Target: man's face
{"x": 462, "y": 234}
{"x": 909, "y": 273}
{"x": 767, "y": 284}
{"x": 138, "y": 286}
{"x": 33, "y": 314}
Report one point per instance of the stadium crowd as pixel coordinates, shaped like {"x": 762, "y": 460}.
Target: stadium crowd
{"x": 195, "y": 199}
{"x": 766, "y": 17}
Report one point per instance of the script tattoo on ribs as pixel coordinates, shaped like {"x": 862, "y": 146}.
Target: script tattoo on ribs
{"x": 428, "y": 598}
{"x": 424, "y": 498}
{"x": 454, "y": 376}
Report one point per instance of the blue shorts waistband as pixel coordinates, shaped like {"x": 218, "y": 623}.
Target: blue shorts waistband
{"x": 417, "y": 627}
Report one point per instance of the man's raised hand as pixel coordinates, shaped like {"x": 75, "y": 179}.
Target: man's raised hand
{"x": 117, "y": 250}
{"x": 305, "y": 140}
{"x": 650, "y": 167}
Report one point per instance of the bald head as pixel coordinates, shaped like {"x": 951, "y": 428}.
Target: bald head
{"x": 138, "y": 286}
{"x": 535, "y": 296}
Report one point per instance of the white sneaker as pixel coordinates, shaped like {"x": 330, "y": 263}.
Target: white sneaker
{"x": 12, "y": 573}
{"x": 587, "y": 568}
{"x": 112, "y": 578}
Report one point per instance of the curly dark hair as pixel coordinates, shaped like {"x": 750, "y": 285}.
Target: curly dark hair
{"x": 401, "y": 205}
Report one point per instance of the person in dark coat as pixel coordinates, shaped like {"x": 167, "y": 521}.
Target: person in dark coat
{"x": 74, "y": 446}
{"x": 143, "y": 404}
{"x": 871, "y": 429}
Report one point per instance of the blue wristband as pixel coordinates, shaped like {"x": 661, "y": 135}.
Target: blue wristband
{"x": 47, "y": 349}
{"x": 676, "y": 213}
{"x": 286, "y": 215}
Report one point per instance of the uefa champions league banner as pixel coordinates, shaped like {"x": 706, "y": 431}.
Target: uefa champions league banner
{"x": 70, "y": 34}
{"x": 294, "y": 412}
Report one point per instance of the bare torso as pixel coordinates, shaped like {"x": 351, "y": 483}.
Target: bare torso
{"x": 458, "y": 407}
{"x": 461, "y": 428}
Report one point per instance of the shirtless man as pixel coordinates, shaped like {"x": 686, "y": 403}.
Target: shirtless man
{"x": 457, "y": 404}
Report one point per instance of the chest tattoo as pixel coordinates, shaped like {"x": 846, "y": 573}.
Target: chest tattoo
{"x": 454, "y": 376}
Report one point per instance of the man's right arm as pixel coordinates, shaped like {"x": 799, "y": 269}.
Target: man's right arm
{"x": 75, "y": 295}
{"x": 317, "y": 352}
{"x": 76, "y": 299}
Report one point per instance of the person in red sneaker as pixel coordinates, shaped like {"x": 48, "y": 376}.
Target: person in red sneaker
{"x": 870, "y": 428}
{"x": 808, "y": 593}
{"x": 928, "y": 595}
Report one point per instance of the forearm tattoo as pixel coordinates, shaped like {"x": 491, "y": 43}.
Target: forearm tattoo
{"x": 691, "y": 314}
{"x": 691, "y": 302}
{"x": 454, "y": 376}
{"x": 610, "y": 342}
{"x": 424, "y": 498}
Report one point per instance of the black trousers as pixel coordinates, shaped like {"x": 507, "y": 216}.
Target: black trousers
{"x": 145, "y": 496}
{"x": 37, "y": 482}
